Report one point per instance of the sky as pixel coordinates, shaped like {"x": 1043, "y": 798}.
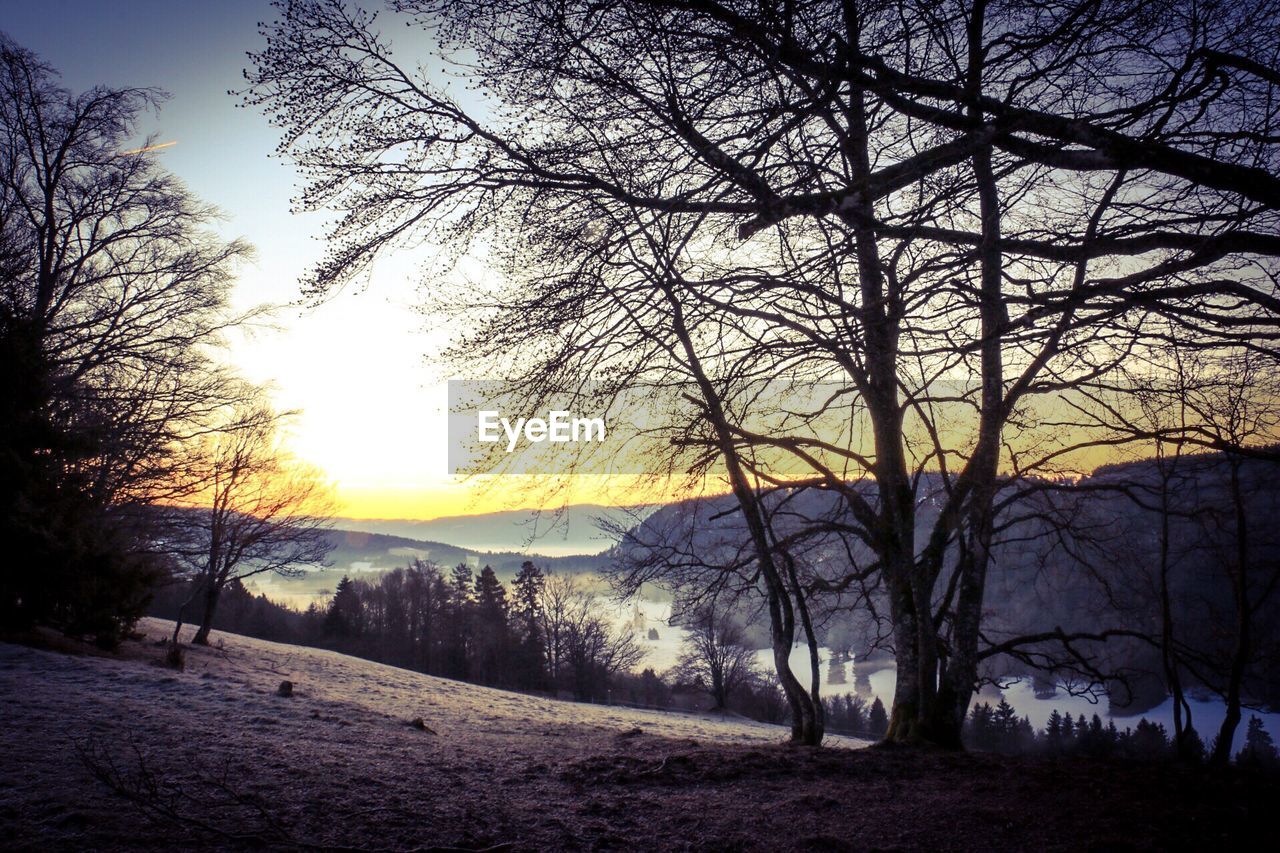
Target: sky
{"x": 358, "y": 368}
{"x": 372, "y": 403}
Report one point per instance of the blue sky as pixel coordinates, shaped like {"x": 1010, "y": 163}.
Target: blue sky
{"x": 357, "y": 367}
{"x": 195, "y": 51}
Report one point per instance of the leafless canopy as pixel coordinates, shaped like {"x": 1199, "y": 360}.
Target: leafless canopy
{"x": 965, "y": 215}
{"x": 113, "y": 299}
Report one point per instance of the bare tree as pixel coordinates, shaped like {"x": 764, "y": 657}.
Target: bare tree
{"x": 113, "y": 298}
{"x": 1210, "y": 412}
{"x": 584, "y": 649}
{"x": 715, "y": 653}
{"x": 1236, "y": 414}
{"x": 256, "y": 511}
{"x": 950, "y": 212}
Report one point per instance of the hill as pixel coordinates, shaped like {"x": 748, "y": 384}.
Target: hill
{"x": 112, "y": 752}
{"x": 357, "y": 552}
{"x": 572, "y": 531}
{"x": 1081, "y": 558}
{"x": 361, "y": 550}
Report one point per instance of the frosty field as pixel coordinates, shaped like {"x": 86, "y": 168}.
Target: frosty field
{"x": 212, "y": 758}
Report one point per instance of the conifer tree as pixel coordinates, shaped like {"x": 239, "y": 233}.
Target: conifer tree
{"x": 980, "y": 729}
{"x": 459, "y": 628}
{"x": 1024, "y": 735}
{"x": 527, "y": 618}
{"x": 1149, "y": 740}
{"x": 1053, "y": 731}
{"x": 344, "y": 619}
{"x": 490, "y": 633}
{"x": 1259, "y": 747}
{"x": 1004, "y": 725}
{"x": 877, "y": 719}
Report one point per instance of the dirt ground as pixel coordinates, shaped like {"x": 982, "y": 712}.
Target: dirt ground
{"x": 118, "y": 753}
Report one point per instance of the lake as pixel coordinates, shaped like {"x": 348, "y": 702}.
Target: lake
{"x": 1207, "y": 715}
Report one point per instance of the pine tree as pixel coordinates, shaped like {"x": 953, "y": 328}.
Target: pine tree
{"x": 459, "y": 628}
{"x": 1004, "y": 724}
{"x": 1025, "y": 736}
{"x": 344, "y": 620}
{"x": 1110, "y": 739}
{"x": 1259, "y": 747}
{"x": 980, "y": 728}
{"x": 526, "y": 612}
{"x": 491, "y": 635}
{"x": 878, "y": 720}
{"x": 1149, "y": 740}
{"x": 1091, "y": 735}
{"x": 460, "y": 583}
{"x": 491, "y": 595}
{"x": 855, "y": 712}
{"x": 1053, "y": 731}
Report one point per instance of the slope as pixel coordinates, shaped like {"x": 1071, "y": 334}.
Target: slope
{"x": 212, "y": 758}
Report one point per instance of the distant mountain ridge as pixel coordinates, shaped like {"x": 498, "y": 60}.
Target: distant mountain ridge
{"x": 358, "y": 550}
{"x": 1081, "y": 560}
{"x": 571, "y": 531}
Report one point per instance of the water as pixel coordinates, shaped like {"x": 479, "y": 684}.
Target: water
{"x": 1207, "y": 715}
{"x": 662, "y": 654}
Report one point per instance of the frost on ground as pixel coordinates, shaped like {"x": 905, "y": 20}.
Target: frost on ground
{"x": 343, "y": 743}
{"x": 116, "y": 752}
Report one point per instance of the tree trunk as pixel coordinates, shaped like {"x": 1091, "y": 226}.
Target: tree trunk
{"x": 1243, "y": 646}
{"x": 904, "y": 715}
{"x": 817, "y": 723}
{"x": 1226, "y": 734}
{"x": 804, "y": 720}
{"x": 182, "y": 611}
{"x": 206, "y": 620}
{"x": 945, "y": 711}
{"x": 1183, "y": 728}
{"x": 915, "y": 691}
{"x": 946, "y": 722}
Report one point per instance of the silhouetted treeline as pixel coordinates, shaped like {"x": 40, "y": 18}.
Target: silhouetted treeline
{"x": 1083, "y": 556}
{"x": 1000, "y": 729}
{"x": 850, "y": 714}
{"x": 540, "y": 634}
{"x": 114, "y": 299}
{"x": 241, "y": 612}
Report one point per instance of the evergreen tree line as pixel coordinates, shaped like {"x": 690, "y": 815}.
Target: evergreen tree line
{"x": 1000, "y": 729}
{"x": 850, "y": 714}
{"x": 533, "y": 638}
{"x": 542, "y": 633}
